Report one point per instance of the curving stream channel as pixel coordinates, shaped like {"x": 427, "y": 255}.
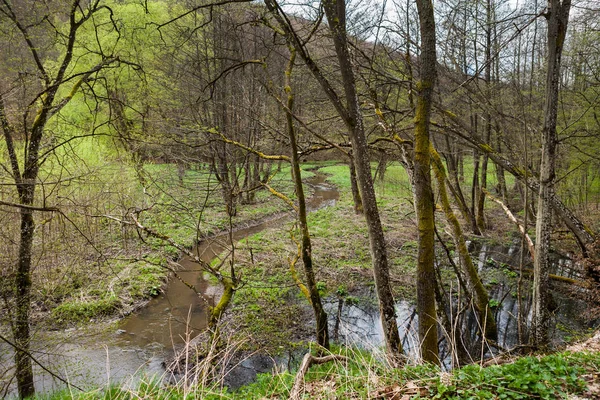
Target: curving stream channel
{"x": 143, "y": 340}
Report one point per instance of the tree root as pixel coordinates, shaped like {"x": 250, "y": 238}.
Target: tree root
{"x": 308, "y": 361}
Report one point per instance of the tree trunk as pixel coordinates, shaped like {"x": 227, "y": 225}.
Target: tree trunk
{"x": 475, "y": 193}
{"x": 357, "y": 200}
{"x": 315, "y": 297}
{"x": 451, "y": 160}
{"x": 502, "y": 190}
{"x": 21, "y": 333}
{"x": 558, "y": 17}
{"x": 335, "y": 10}
{"x": 424, "y": 202}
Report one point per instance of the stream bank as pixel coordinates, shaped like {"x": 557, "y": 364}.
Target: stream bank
{"x": 123, "y": 351}
{"x": 269, "y": 312}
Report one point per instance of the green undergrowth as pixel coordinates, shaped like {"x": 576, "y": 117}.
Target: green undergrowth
{"x": 269, "y": 298}
{"x": 132, "y": 265}
{"x": 362, "y": 375}
{"x": 550, "y": 377}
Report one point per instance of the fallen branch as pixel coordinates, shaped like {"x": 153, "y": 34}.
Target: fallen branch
{"x": 308, "y": 361}
{"x": 511, "y": 216}
{"x": 560, "y": 278}
{"x": 553, "y": 277}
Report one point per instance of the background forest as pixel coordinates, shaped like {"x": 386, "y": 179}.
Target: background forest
{"x": 383, "y": 183}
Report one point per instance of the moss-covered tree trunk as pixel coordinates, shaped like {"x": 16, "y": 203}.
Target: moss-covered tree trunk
{"x": 21, "y": 331}
{"x": 306, "y": 247}
{"x": 423, "y": 193}
{"x": 558, "y": 16}
{"x": 481, "y": 296}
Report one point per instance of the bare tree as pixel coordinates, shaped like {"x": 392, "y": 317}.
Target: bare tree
{"x": 349, "y": 111}
{"x": 424, "y": 203}
{"x": 26, "y": 132}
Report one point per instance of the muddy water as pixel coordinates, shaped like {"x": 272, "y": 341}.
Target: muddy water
{"x": 140, "y": 342}
{"x": 178, "y": 313}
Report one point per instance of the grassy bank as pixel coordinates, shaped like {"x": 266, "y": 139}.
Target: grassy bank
{"x": 95, "y": 265}
{"x": 557, "y": 376}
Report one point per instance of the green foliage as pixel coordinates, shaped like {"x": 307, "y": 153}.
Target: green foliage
{"x": 322, "y": 288}
{"x": 494, "y": 303}
{"x": 363, "y": 373}
{"x": 549, "y": 377}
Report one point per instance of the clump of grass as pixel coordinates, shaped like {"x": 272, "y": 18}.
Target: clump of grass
{"x": 77, "y": 311}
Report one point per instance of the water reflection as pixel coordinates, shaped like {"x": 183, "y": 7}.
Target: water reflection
{"x": 144, "y": 339}
{"x": 358, "y": 324}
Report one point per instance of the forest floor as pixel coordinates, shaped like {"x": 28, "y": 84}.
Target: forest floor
{"x": 269, "y": 312}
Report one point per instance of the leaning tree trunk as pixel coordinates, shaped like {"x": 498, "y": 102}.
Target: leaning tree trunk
{"x": 482, "y": 300}
{"x": 336, "y": 15}
{"x": 306, "y": 249}
{"x": 558, "y": 17}
{"x": 424, "y": 202}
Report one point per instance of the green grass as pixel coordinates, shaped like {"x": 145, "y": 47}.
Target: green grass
{"x": 363, "y": 375}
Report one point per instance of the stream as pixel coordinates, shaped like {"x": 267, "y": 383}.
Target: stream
{"x": 143, "y": 340}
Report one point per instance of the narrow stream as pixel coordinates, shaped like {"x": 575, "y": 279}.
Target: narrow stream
{"x": 141, "y": 342}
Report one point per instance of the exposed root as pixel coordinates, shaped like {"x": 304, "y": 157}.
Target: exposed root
{"x": 308, "y": 361}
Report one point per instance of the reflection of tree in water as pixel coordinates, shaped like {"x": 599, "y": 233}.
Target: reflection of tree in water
{"x": 494, "y": 259}
{"x": 358, "y": 323}
{"x": 354, "y": 323}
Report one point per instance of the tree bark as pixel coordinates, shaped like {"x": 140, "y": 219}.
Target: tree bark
{"x": 356, "y": 199}
{"x": 306, "y": 249}
{"x": 423, "y": 193}
{"x": 558, "y": 17}
{"x": 21, "y": 332}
